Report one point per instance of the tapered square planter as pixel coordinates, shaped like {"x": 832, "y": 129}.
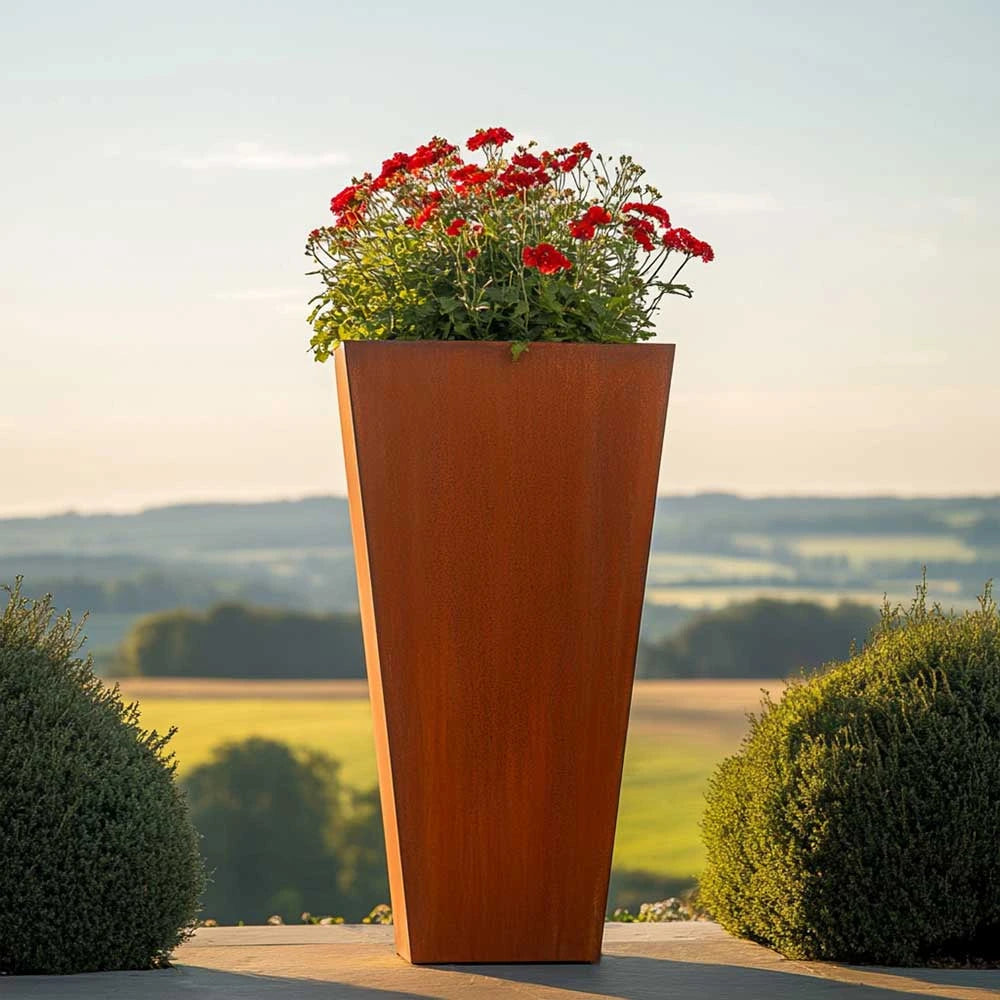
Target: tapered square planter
{"x": 501, "y": 513}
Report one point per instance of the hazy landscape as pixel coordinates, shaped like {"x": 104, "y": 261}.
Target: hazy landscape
{"x": 708, "y": 550}
{"x": 232, "y": 590}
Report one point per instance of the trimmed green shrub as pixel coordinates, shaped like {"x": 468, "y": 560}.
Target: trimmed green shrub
{"x": 860, "y": 821}
{"x": 99, "y": 863}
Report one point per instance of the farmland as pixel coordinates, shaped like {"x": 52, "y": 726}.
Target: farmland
{"x": 679, "y": 732}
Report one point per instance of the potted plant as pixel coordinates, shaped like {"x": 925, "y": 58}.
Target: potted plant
{"x": 502, "y": 432}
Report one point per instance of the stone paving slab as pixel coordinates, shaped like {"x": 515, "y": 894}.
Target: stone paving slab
{"x": 680, "y": 961}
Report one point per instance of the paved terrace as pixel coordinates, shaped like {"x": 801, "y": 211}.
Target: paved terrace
{"x": 641, "y": 962}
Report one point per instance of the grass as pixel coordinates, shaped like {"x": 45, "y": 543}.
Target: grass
{"x": 680, "y": 730}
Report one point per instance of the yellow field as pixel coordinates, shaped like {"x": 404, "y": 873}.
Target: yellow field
{"x": 679, "y": 732}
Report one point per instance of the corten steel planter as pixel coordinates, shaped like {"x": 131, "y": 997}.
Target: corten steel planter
{"x": 501, "y": 513}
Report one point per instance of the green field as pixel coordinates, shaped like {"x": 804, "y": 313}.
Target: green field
{"x": 679, "y": 732}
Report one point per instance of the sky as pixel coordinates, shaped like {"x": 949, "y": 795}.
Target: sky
{"x": 162, "y": 165}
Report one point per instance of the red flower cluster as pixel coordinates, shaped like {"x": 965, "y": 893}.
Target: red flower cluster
{"x": 348, "y": 206}
{"x": 546, "y": 258}
{"x": 654, "y": 211}
{"x": 430, "y": 207}
{"x": 513, "y": 180}
{"x": 429, "y": 153}
{"x": 682, "y": 240}
{"x": 526, "y": 160}
{"x": 396, "y": 164}
{"x": 488, "y": 137}
{"x": 642, "y": 231}
{"x": 455, "y": 227}
{"x": 585, "y": 227}
{"x": 341, "y": 202}
{"x": 469, "y": 176}
{"x": 571, "y": 157}
{"x": 424, "y": 156}
{"x": 472, "y": 254}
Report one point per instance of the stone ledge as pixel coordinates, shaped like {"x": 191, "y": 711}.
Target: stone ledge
{"x": 674, "y": 961}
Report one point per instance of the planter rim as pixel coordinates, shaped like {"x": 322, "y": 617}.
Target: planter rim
{"x": 531, "y": 344}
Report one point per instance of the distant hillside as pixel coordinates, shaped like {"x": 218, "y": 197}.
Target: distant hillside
{"x": 709, "y": 550}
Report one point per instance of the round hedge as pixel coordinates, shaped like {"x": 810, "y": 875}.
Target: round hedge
{"x": 99, "y": 863}
{"x": 860, "y": 820}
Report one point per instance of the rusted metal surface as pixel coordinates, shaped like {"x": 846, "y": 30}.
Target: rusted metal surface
{"x": 501, "y": 514}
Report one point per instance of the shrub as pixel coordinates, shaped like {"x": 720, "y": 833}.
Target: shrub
{"x": 99, "y": 863}
{"x": 861, "y": 819}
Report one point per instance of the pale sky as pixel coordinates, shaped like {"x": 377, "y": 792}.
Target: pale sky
{"x": 162, "y": 164}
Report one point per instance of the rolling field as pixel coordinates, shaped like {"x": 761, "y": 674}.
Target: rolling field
{"x": 680, "y": 730}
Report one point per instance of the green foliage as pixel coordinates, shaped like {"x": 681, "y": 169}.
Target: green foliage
{"x": 555, "y": 251}
{"x": 861, "y": 819}
{"x": 231, "y": 640}
{"x": 762, "y": 638}
{"x": 282, "y": 836}
{"x": 99, "y": 863}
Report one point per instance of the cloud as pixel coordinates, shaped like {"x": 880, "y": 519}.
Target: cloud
{"x": 253, "y": 156}
{"x": 725, "y": 202}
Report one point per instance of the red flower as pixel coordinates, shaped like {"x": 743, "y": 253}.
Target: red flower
{"x": 598, "y": 215}
{"x": 469, "y": 175}
{"x": 429, "y": 153}
{"x": 513, "y": 180}
{"x": 585, "y": 227}
{"x": 314, "y": 235}
{"x": 488, "y": 137}
{"x": 430, "y": 207}
{"x": 569, "y": 163}
{"x": 526, "y": 160}
{"x": 683, "y": 241}
{"x": 583, "y": 150}
{"x": 477, "y": 228}
{"x": 472, "y": 254}
{"x": 395, "y": 164}
{"x": 655, "y": 211}
{"x": 642, "y": 232}
{"x": 455, "y": 227}
{"x": 546, "y": 258}
{"x": 341, "y": 202}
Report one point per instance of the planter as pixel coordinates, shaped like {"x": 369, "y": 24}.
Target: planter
{"x": 501, "y": 513}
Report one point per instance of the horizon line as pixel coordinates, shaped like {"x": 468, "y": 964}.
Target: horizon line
{"x": 136, "y": 510}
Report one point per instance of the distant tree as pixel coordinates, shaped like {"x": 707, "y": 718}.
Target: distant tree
{"x": 282, "y": 836}
{"x": 362, "y": 879}
{"x": 762, "y": 638}
{"x": 266, "y": 817}
{"x": 232, "y": 640}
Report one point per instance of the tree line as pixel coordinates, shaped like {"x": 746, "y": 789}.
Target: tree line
{"x": 232, "y": 640}
{"x": 761, "y": 638}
